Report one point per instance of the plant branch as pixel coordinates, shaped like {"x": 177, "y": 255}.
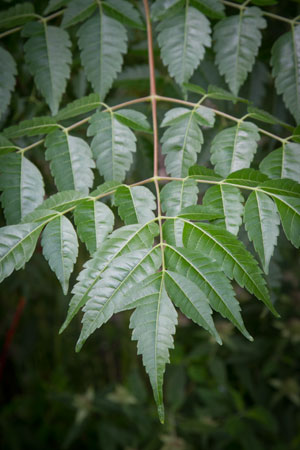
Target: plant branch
{"x": 42, "y": 19}
{"x": 154, "y": 121}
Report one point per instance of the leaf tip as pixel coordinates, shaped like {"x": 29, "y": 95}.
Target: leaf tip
{"x": 161, "y": 413}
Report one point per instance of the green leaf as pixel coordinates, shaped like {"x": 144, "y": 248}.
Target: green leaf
{"x": 124, "y": 12}
{"x": 22, "y": 185}
{"x": 211, "y": 8}
{"x": 133, "y": 119}
{"x": 194, "y": 88}
{"x": 172, "y": 232}
{"x": 31, "y": 127}
{"x": 192, "y": 302}
{"x": 177, "y": 195}
{"x": 262, "y": 224}
{"x": 112, "y": 145}
{"x": 121, "y": 241}
{"x": 200, "y": 212}
{"x": 70, "y": 161}
{"x": 202, "y": 115}
{"x": 176, "y": 39}
{"x": 209, "y": 278}
{"x": 80, "y": 106}
{"x": 102, "y": 56}
{"x": 7, "y": 78}
{"x": 246, "y": 177}
{"x": 94, "y": 221}
{"x": 219, "y": 93}
{"x": 40, "y": 215}
{"x": 232, "y": 256}
{"x": 109, "y": 292}
{"x": 237, "y": 40}
{"x": 160, "y": 9}
{"x": 285, "y": 61}
{"x": 48, "y": 57}
{"x": 203, "y": 173}
{"x": 63, "y": 201}
{"x": 181, "y": 142}
{"x": 54, "y": 5}
{"x": 77, "y": 11}
{"x": 17, "y": 244}
{"x": 289, "y": 211}
{"x": 6, "y": 146}
{"x": 229, "y": 201}
{"x": 283, "y": 187}
{"x": 264, "y": 116}
{"x": 135, "y": 204}
{"x": 153, "y": 323}
{"x": 60, "y": 248}
{"x": 17, "y": 15}
{"x": 283, "y": 162}
{"x": 234, "y": 148}
{"x": 107, "y": 186}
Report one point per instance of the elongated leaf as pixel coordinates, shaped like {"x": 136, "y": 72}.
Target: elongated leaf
{"x": 53, "y": 5}
{"x": 219, "y": 93}
{"x": 201, "y": 212}
{"x": 203, "y": 173}
{"x": 22, "y": 185}
{"x": 194, "y": 88}
{"x": 17, "y": 15}
{"x": 121, "y": 241}
{"x": 135, "y": 204}
{"x": 62, "y": 201}
{"x": 48, "y": 57}
{"x": 172, "y": 232}
{"x": 6, "y": 146}
{"x": 60, "y": 248}
{"x": 191, "y": 300}
{"x": 211, "y": 8}
{"x": 133, "y": 119}
{"x": 70, "y": 161}
{"x": 264, "y": 116}
{"x": 232, "y": 256}
{"x": 234, "y": 148}
{"x": 177, "y": 195}
{"x": 209, "y": 278}
{"x": 17, "y": 244}
{"x": 153, "y": 324}
{"x": 102, "y": 56}
{"x": 286, "y": 69}
{"x": 112, "y": 145}
{"x": 246, "y": 177}
{"x": 94, "y": 221}
{"x": 262, "y": 224}
{"x": 107, "y": 186}
{"x": 161, "y": 9}
{"x": 283, "y": 162}
{"x": 40, "y": 215}
{"x": 203, "y": 115}
{"x": 289, "y": 211}
{"x": 181, "y": 143}
{"x": 107, "y": 294}
{"x": 80, "y": 106}
{"x": 124, "y": 12}
{"x": 237, "y": 40}
{"x": 7, "y": 78}
{"x": 77, "y": 11}
{"x": 229, "y": 201}
{"x": 285, "y": 187}
{"x": 32, "y": 127}
{"x": 177, "y": 37}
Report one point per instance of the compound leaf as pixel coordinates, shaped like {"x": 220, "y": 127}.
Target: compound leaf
{"x": 22, "y": 185}
{"x": 102, "y": 56}
{"x": 94, "y": 221}
{"x": 262, "y": 224}
{"x": 60, "y": 248}
{"x": 70, "y": 161}
{"x": 135, "y": 204}
{"x": 237, "y": 40}
{"x": 234, "y": 148}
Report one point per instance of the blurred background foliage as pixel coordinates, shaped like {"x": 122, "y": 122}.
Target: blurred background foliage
{"x": 239, "y": 396}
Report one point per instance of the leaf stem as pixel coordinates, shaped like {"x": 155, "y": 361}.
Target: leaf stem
{"x": 154, "y": 121}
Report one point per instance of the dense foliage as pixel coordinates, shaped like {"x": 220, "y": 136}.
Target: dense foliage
{"x": 206, "y": 225}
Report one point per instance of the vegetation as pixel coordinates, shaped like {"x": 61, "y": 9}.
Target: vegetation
{"x": 162, "y": 220}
